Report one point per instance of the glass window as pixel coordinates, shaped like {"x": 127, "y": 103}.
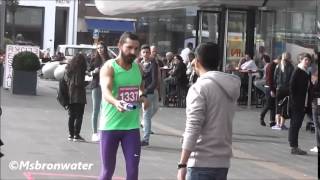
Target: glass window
{"x": 169, "y": 30}
{"x": 28, "y": 23}
{"x": 236, "y": 38}
{"x": 74, "y": 51}
{"x": 27, "y": 16}
{"x": 297, "y": 19}
{"x": 290, "y": 29}
{"x": 208, "y": 31}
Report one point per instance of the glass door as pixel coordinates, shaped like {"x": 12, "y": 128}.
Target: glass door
{"x": 210, "y": 29}
{"x": 318, "y": 26}
{"x": 236, "y": 23}
{"x": 264, "y": 39}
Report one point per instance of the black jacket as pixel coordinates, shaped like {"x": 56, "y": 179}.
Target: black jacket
{"x": 76, "y": 86}
{"x": 282, "y": 79}
{"x": 300, "y": 85}
{"x": 150, "y": 76}
{"x": 95, "y": 63}
{"x": 180, "y": 74}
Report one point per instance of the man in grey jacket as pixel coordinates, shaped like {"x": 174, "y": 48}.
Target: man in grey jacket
{"x": 211, "y": 103}
{"x": 150, "y": 77}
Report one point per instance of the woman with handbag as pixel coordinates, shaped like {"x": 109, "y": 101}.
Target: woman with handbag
{"x": 282, "y": 77}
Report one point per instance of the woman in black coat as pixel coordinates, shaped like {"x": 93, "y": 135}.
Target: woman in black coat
{"x": 75, "y": 78}
{"x": 300, "y": 101}
{"x": 282, "y": 75}
{"x": 180, "y": 72}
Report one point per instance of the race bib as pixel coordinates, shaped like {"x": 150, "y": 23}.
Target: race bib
{"x": 129, "y": 94}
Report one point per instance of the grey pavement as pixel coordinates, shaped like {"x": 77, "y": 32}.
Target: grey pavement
{"x": 34, "y": 130}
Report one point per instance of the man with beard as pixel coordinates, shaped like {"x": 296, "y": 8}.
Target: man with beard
{"x": 121, "y": 84}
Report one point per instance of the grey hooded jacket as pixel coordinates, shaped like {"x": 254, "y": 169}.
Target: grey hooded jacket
{"x": 211, "y": 104}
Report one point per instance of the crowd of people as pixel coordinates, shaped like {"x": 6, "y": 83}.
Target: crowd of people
{"x": 290, "y": 91}
{"x": 134, "y": 79}
{"x": 123, "y": 85}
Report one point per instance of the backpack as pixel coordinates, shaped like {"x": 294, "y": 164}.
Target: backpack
{"x": 63, "y": 94}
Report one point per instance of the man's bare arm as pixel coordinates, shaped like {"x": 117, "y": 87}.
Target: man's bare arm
{"x": 106, "y": 83}
{"x": 185, "y": 154}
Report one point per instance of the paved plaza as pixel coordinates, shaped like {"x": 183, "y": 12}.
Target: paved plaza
{"x": 34, "y": 130}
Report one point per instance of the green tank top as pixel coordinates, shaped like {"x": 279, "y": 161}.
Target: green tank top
{"x": 126, "y": 84}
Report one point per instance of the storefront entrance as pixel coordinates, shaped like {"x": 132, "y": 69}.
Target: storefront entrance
{"x": 231, "y": 29}
{"x": 210, "y": 28}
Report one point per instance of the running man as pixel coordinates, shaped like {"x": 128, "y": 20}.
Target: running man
{"x": 121, "y": 82}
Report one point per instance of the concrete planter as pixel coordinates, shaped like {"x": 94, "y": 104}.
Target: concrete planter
{"x": 24, "y": 82}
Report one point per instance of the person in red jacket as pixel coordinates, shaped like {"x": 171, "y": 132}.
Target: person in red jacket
{"x": 270, "y": 94}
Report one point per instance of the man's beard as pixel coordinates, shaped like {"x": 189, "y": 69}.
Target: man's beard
{"x": 128, "y": 58}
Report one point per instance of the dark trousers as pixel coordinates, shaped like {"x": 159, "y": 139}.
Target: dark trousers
{"x": 315, "y": 117}
{"x": 76, "y": 111}
{"x": 297, "y": 117}
{"x": 1, "y": 74}
{"x": 270, "y": 105}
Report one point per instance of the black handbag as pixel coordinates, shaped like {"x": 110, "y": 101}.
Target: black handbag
{"x": 285, "y": 107}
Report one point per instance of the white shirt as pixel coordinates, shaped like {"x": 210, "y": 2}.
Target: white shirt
{"x": 249, "y": 65}
{"x": 184, "y": 54}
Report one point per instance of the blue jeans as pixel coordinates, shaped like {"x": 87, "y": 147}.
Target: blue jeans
{"x": 201, "y": 173}
{"x": 155, "y": 103}
{"x": 96, "y": 103}
{"x": 147, "y": 115}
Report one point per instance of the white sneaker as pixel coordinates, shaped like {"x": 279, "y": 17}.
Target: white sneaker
{"x": 95, "y": 137}
{"x": 276, "y": 127}
{"x": 315, "y": 149}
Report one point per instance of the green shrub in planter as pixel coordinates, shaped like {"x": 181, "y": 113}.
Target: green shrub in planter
{"x": 24, "y": 77}
{"x": 26, "y": 61}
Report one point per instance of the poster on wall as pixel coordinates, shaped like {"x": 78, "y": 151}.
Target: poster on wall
{"x": 12, "y": 50}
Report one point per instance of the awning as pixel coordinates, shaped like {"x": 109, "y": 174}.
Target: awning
{"x": 108, "y": 7}
{"x": 110, "y": 25}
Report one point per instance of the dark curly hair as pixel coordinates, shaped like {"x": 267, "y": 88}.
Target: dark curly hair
{"x": 77, "y": 63}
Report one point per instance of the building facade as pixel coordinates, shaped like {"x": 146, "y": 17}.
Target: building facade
{"x": 239, "y": 26}
{"x": 45, "y": 23}
{"x": 94, "y": 26}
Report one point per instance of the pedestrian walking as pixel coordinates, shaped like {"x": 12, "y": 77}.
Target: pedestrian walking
{"x": 75, "y": 78}
{"x": 270, "y": 94}
{"x": 96, "y": 63}
{"x": 282, "y": 75}
{"x": 121, "y": 83}
{"x": 211, "y": 104}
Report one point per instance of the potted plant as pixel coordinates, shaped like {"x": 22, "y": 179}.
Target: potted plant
{"x": 24, "y": 77}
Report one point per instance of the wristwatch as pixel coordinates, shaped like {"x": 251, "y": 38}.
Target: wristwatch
{"x": 143, "y": 95}
{"x": 180, "y": 165}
